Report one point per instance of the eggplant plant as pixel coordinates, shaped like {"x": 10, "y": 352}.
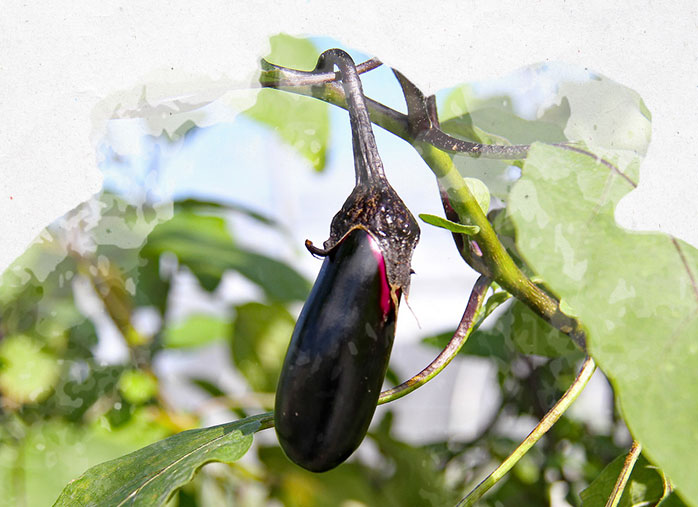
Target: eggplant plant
{"x": 541, "y": 250}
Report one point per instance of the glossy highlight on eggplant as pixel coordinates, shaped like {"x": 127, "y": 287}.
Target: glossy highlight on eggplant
{"x": 338, "y": 356}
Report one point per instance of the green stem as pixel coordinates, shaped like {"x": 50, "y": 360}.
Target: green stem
{"x": 501, "y": 267}
{"x": 541, "y": 429}
{"x": 622, "y": 480}
{"x": 465, "y": 328}
{"x": 266, "y": 421}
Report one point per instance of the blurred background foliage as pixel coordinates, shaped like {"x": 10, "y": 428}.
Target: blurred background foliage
{"x": 111, "y": 271}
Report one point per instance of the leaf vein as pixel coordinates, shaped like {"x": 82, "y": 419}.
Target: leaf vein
{"x": 162, "y": 470}
{"x": 686, "y": 267}
{"x": 601, "y": 160}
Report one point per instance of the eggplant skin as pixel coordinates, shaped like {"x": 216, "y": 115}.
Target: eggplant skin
{"x": 337, "y": 358}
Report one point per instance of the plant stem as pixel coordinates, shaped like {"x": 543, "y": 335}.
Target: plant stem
{"x": 543, "y": 426}
{"x": 276, "y": 75}
{"x": 622, "y": 480}
{"x": 333, "y": 93}
{"x": 499, "y": 264}
{"x": 465, "y": 328}
{"x": 367, "y": 161}
{"x": 266, "y": 421}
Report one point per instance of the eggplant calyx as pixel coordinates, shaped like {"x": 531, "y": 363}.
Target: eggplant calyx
{"x": 379, "y": 211}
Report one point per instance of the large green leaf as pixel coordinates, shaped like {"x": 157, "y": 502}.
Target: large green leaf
{"x": 150, "y": 475}
{"x": 302, "y": 122}
{"x": 204, "y": 245}
{"x": 644, "y": 485}
{"x": 635, "y": 293}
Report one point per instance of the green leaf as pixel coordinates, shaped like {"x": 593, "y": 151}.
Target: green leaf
{"x": 209, "y": 387}
{"x": 199, "y": 205}
{"x": 204, "y": 245}
{"x": 497, "y": 123}
{"x": 260, "y": 339}
{"x": 480, "y": 192}
{"x": 151, "y": 475}
{"x": 449, "y": 225}
{"x": 635, "y": 293}
{"x": 302, "y": 122}
{"x": 196, "y": 330}
{"x": 644, "y": 485}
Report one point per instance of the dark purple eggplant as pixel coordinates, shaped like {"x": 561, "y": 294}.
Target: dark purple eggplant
{"x": 340, "y": 348}
{"x": 338, "y": 356}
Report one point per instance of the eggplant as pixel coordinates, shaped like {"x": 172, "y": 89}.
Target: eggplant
{"x": 339, "y": 351}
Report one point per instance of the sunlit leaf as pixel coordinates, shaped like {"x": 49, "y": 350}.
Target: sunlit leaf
{"x": 635, "y": 293}
{"x": 449, "y": 225}
{"x": 480, "y": 192}
{"x": 150, "y": 475}
{"x": 607, "y": 115}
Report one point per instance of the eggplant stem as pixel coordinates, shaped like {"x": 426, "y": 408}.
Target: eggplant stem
{"x": 465, "y": 328}
{"x": 368, "y": 165}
